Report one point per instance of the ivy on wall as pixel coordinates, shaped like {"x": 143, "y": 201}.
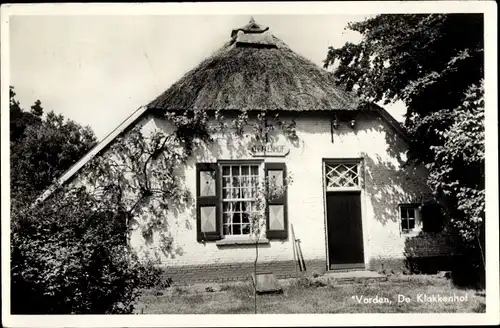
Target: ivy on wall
{"x": 142, "y": 177}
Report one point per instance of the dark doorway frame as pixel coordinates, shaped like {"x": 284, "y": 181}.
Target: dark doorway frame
{"x": 361, "y": 181}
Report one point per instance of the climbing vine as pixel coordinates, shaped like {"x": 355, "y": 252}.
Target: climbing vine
{"x": 264, "y": 126}
{"x": 141, "y": 175}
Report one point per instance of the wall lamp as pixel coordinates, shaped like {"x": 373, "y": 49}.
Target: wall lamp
{"x": 335, "y": 123}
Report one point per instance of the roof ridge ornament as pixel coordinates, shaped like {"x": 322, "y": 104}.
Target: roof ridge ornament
{"x": 251, "y": 27}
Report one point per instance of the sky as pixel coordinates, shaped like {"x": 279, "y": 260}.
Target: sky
{"x": 96, "y": 70}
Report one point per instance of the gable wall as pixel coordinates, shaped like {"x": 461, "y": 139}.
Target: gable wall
{"x": 386, "y": 186}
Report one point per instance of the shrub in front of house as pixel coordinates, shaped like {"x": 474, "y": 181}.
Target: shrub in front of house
{"x": 429, "y": 252}
{"x": 69, "y": 255}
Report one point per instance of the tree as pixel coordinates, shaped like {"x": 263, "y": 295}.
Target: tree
{"x": 69, "y": 257}
{"x": 434, "y": 64}
{"x": 20, "y": 119}
{"x": 42, "y": 148}
{"x": 457, "y": 172}
{"x": 68, "y": 253}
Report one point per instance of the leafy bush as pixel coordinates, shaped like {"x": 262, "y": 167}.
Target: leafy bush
{"x": 42, "y": 147}
{"x": 440, "y": 80}
{"x": 70, "y": 256}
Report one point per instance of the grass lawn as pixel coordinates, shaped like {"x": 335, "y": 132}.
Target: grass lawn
{"x": 314, "y": 295}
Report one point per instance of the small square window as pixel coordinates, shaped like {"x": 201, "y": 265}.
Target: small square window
{"x": 409, "y": 216}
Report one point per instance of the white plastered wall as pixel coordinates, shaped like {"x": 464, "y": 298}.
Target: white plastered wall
{"x": 387, "y": 185}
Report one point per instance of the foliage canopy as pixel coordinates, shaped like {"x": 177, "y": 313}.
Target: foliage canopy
{"x": 434, "y": 64}
{"x": 42, "y": 148}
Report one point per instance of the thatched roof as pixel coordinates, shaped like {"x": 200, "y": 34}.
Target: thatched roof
{"x": 256, "y": 71}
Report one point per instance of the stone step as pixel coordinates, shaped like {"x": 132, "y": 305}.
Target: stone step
{"x": 355, "y": 275}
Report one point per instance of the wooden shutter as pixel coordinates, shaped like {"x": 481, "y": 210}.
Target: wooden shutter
{"x": 208, "y": 222}
{"x": 431, "y": 217}
{"x": 277, "y": 216}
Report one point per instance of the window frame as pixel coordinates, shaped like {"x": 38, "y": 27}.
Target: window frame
{"x": 222, "y": 200}
{"x": 417, "y": 228}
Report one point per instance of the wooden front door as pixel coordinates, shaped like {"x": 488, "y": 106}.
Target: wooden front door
{"x": 345, "y": 233}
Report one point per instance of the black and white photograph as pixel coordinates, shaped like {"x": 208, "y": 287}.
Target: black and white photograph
{"x": 332, "y": 160}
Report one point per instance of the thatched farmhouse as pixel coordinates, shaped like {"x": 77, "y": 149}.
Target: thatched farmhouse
{"x": 352, "y": 202}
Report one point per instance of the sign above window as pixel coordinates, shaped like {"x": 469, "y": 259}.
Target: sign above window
{"x": 269, "y": 150}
